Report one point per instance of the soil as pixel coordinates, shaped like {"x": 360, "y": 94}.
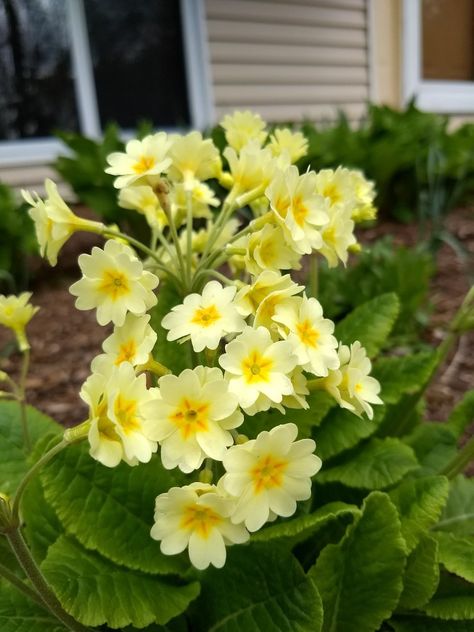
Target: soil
{"x": 65, "y": 340}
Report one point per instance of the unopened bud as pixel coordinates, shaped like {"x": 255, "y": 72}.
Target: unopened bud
{"x": 241, "y": 438}
{"x": 205, "y": 476}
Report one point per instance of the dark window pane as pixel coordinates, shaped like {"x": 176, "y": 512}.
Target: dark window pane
{"x": 137, "y": 53}
{"x": 36, "y": 87}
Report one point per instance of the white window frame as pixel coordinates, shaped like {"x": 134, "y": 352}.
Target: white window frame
{"x": 24, "y": 152}
{"x": 448, "y": 97}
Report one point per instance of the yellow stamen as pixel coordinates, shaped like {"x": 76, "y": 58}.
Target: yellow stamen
{"x": 256, "y": 368}
{"x": 114, "y": 283}
{"x": 144, "y": 164}
{"x": 126, "y": 413}
{"x": 206, "y": 316}
{"x": 307, "y": 334}
{"x": 201, "y": 520}
{"x": 191, "y": 417}
{"x": 268, "y": 473}
{"x": 126, "y": 352}
{"x": 333, "y": 193}
{"x": 300, "y": 211}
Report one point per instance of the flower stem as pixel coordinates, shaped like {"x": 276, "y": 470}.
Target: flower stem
{"x": 22, "y": 399}
{"x": 7, "y": 574}
{"x": 461, "y": 460}
{"x": 189, "y": 236}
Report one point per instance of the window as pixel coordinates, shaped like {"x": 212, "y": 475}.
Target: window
{"x": 77, "y": 64}
{"x": 438, "y": 54}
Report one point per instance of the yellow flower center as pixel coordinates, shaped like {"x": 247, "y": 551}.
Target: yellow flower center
{"x": 144, "y": 164}
{"x": 199, "y": 519}
{"x": 329, "y": 236}
{"x": 281, "y": 205}
{"x": 105, "y": 425}
{"x": 300, "y": 211}
{"x": 206, "y": 316}
{"x": 256, "y": 368}
{"x": 126, "y": 352}
{"x": 191, "y": 417}
{"x": 126, "y": 413}
{"x": 268, "y": 473}
{"x": 115, "y": 284}
{"x": 333, "y": 193}
{"x": 307, "y": 334}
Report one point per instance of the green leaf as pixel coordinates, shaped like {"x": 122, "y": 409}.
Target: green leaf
{"x": 341, "y": 430}
{"x": 301, "y": 527}
{"x": 458, "y": 515}
{"x": 42, "y": 527}
{"x": 93, "y": 502}
{"x": 421, "y": 577}
{"x": 376, "y": 465}
{"x": 462, "y": 414}
{"x": 360, "y": 578}
{"x": 434, "y": 445}
{"x": 259, "y": 588}
{"x": 454, "y": 599}
{"x": 370, "y": 323}
{"x": 95, "y": 591}
{"x": 13, "y": 461}
{"x": 403, "y": 375}
{"x": 419, "y": 502}
{"x": 456, "y": 554}
{"x": 172, "y": 354}
{"x": 425, "y": 624}
{"x": 20, "y": 614}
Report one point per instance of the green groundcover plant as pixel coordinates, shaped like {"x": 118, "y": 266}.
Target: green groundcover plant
{"x": 245, "y": 463}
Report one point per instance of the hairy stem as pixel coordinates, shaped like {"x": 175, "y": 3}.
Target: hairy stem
{"x": 461, "y": 460}
{"x": 7, "y": 574}
{"x": 22, "y": 399}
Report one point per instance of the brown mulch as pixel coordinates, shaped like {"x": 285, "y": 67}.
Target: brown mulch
{"x": 65, "y": 340}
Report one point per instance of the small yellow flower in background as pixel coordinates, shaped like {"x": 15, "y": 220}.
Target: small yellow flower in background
{"x": 143, "y": 161}
{"x": 351, "y": 385}
{"x": 251, "y": 170}
{"x": 269, "y": 474}
{"x": 297, "y": 399}
{"x": 197, "y": 517}
{"x": 205, "y": 317}
{"x": 114, "y": 282}
{"x": 309, "y": 334}
{"x": 54, "y": 221}
{"x": 262, "y": 296}
{"x": 193, "y": 417}
{"x": 338, "y": 236}
{"x": 202, "y": 197}
{"x": 142, "y": 198}
{"x": 258, "y": 369}
{"x": 284, "y": 140}
{"x": 193, "y": 158}
{"x": 267, "y": 249}
{"x": 15, "y": 313}
{"x": 243, "y": 127}
{"x": 364, "y": 193}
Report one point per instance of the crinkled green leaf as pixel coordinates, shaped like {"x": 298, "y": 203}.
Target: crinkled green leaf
{"x": 425, "y": 624}
{"x": 434, "y": 445}
{"x": 454, "y": 599}
{"x": 301, "y": 527}
{"x": 13, "y": 461}
{"x": 41, "y": 525}
{"x": 96, "y": 591}
{"x": 419, "y": 502}
{"x": 172, "y": 354}
{"x": 20, "y": 614}
{"x": 360, "y": 578}
{"x": 341, "y": 430}
{"x": 458, "y": 514}
{"x": 259, "y": 588}
{"x": 403, "y": 375}
{"x": 462, "y": 414}
{"x": 370, "y": 323}
{"x": 110, "y": 509}
{"x": 421, "y": 577}
{"x": 376, "y": 465}
{"x": 456, "y": 554}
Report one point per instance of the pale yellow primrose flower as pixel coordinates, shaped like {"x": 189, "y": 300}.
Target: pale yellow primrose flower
{"x": 243, "y": 127}
{"x": 284, "y": 140}
{"x": 251, "y": 170}
{"x": 300, "y": 390}
{"x": 351, "y": 385}
{"x": 258, "y": 368}
{"x": 364, "y": 197}
{"x": 206, "y": 317}
{"x": 202, "y": 197}
{"x": 15, "y": 313}
{"x": 115, "y": 283}
{"x": 267, "y": 249}
{"x": 197, "y": 517}
{"x": 143, "y": 160}
{"x": 193, "y": 158}
{"x": 338, "y": 235}
{"x": 269, "y": 474}
{"x": 142, "y": 198}
{"x": 193, "y": 417}
{"x": 120, "y": 428}
{"x": 132, "y": 342}
{"x": 298, "y": 208}
{"x": 269, "y": 286}
{"x": 309, "y": 334}
{"x": 54, "y": 221}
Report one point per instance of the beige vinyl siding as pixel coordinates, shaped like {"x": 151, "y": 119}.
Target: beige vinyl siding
{"x": 32, "y": 177}
{"x": 289, "y": 59}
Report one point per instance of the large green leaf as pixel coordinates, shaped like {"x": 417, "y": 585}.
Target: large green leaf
{"x": 41, "y": 525}
{"x": 20, "y": 614}
{"x": 376, "y": 465}
{"x": 425, "y": 624}
{"x": 259, "y": 588}
{"x": 96, "y": 591}
{"x": 419, "y": 502}
{"x": 454, "y": 599}
{"x": 456, "y": 554}
{"x": 462, "y": 414}
{"x": 458, "y": 515}
{"x": 421, "y": 575}
{"x": 360, "y": 578}
{"x": 172, "y": 354}
{"x": 434, "y": 445}
{"x": 370, "y": 323}
{"x": 301, "y": 527}
{"x": 403, "y": 375}
{"x": 110, "y": 509}
{"x": 13, "y": 461}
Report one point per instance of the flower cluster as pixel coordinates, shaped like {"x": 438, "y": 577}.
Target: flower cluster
{"x": 254, "y": 339}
